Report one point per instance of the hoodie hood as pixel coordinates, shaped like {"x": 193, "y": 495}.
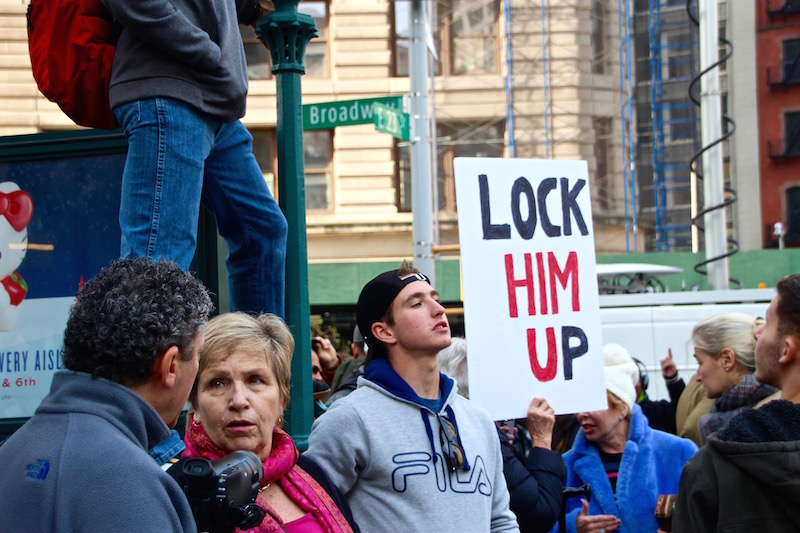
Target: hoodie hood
{"x": 79, "y": 392}
{"x": 379, "y": 372}
{"x": 765, "y": 443}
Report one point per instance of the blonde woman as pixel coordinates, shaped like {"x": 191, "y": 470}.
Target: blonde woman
{"x": 238, "y": 399}
{"x": 724, "y": 347}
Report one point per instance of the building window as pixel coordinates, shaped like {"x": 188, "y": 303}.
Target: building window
{"x": 792, "y": 139}
{"x": 679, "y": 120}
{"x": 316, "y": 56}
{"x": 602, "y": 153}
{"x": 265, "y": 152}
{"x": 792, "y": 237}
{"x": 599, "y": 31}
{"x": 259, "y": 61}
{"x": 678, "y": 52}
{"x": 464, "y": 140}
{"x": 317, "y": 157}
{"x": 401, "y": 37}
{"x": 402, "y": 179}
{"x": 317, "y": 162}
{"x": 791, "y": 61}
{"x": 468, "y": 36}
{"x": 256, "y": 53}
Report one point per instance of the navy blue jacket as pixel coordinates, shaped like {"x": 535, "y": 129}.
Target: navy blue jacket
{"x": 535, "y": 485}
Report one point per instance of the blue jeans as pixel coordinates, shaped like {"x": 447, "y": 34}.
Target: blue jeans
{"x": 179, "y": 158}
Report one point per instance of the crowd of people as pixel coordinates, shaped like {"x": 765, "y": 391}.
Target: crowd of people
{"x": 400, "y": 445}
{"x": 397, "y": 444}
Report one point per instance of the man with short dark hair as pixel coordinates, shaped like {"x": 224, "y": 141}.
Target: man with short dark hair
{"x": 89, "y": 459}
{"x": 747, "y": 476}
{"x": 409, "y": 453}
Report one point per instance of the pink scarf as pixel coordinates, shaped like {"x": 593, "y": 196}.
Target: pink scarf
{"x": 280, "y": 466}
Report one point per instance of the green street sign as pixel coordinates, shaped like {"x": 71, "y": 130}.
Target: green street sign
{"x": 391, "y": 121}
{"x": 327, "y": 115}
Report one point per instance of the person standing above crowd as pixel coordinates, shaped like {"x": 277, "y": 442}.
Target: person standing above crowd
{"x": 89, "y": 459}
{"x": 747, "y": 477}
{"x": 178, "y": 88}
{"x": 724, "y": 348}
{"x": 409, "y": 453}
{"x": 627, "y": 463}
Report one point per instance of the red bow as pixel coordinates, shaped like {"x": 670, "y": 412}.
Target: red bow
{"x": 17, "y": 207}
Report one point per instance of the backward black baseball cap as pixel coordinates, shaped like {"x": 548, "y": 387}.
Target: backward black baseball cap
{"x": 377, "y": 296}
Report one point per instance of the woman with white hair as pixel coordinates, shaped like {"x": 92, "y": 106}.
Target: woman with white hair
{"x": 627, "y": 463}
{"x": 724, "y": 347}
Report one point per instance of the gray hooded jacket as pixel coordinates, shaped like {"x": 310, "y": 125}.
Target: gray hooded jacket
{"x": 81, "y": 463}
{"x": 382, "y": 448}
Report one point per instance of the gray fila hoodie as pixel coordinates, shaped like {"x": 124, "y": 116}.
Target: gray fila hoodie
{"x": 381, "y": 446}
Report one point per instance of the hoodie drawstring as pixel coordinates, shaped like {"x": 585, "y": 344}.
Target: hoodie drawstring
{"x": 429, "y": 431}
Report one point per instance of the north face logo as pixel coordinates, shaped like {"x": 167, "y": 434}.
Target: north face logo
{"x": 39, "y": 470}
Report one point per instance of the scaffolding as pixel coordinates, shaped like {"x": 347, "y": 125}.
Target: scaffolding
{"x": 628, "y": 133}
{"x": 668, "y": 133}
{"x": 654, "y": 130}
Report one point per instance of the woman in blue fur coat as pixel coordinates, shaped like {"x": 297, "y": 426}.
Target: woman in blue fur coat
{"x": 627, "y": 464}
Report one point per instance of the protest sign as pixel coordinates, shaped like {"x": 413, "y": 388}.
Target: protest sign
{"x": 531, "y": 305}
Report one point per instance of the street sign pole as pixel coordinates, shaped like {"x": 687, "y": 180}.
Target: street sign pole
{"x": 286, "y": 33}
{"x": 421, "y": 182}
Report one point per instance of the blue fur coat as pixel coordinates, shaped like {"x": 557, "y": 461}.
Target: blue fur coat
{"x": 651, "y": 465}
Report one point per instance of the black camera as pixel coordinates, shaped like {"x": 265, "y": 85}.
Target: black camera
{"x": 222, "y": 493}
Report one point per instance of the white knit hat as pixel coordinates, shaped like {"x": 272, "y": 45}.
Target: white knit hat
{"x": 621, "y": 373}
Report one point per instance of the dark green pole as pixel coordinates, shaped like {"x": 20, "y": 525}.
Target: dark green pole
{"x": 286, "y": 33}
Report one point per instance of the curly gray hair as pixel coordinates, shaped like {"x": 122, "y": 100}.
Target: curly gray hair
{"x": 130, "y": 314}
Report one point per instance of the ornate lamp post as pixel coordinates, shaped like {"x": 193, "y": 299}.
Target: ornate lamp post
{"x": 286, "y": 33}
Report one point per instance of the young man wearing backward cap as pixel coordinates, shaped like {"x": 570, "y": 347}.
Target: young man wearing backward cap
{"x": 408, "y": 452}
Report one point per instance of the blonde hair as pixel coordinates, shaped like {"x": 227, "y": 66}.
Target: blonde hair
{"x": 615, "y": 403}
{"x": 265, "y": 334}
{"x": 728, "y": 330}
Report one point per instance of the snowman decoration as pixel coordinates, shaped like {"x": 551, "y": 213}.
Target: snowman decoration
{"x": 16, "y": 210}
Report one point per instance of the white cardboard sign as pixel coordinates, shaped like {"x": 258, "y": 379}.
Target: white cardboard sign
{"x": 531, "y": 306}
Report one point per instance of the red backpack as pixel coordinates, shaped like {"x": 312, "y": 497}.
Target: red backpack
{"x": 72, "y": 47}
